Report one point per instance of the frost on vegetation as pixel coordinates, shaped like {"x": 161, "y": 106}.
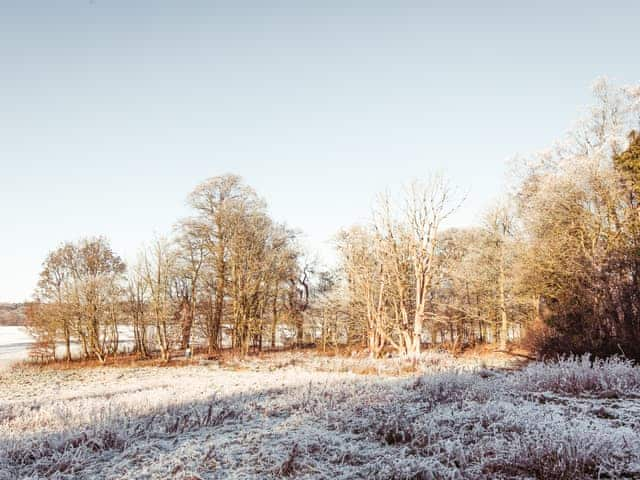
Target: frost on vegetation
{"x": 313, "y": 417}
{"x": 577, "y": 375}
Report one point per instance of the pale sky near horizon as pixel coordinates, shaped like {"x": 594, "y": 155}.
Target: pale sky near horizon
{"x": 112, "y": 111}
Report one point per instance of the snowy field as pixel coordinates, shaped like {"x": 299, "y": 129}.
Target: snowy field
{"x": 300, "y": 416}
{"x": 14, "y": 345}
{"x": 15, "y": 342}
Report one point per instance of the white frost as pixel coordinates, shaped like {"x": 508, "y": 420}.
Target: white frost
{"x": 308, "y": 417}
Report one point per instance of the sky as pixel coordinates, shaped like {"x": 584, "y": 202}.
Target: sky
{"x": 111, "y": 112}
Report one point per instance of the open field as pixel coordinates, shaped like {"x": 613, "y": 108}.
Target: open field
{"x": 16, "y": 340}
{"x": 14, "y": 345}
{"x": 304, "y": 416}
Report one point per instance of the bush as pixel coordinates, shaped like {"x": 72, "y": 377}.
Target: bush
{"x": 577, "y": 334}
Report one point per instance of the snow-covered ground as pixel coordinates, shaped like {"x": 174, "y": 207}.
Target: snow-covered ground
{"x": 300, "y": 416}
{"x": 15, "y": 343}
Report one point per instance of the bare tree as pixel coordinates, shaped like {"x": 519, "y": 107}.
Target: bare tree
{"x": 218, "y": 204}
{"x": 365, "y": 282}
{"x": 499, "y": 225}
{"x": 409, "y": 239}
{"x": 81, "y": 283}
{"x": 192, "y": 258}
{"x": 158, "y": 268}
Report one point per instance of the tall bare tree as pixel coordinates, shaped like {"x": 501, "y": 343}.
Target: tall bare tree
{"x": 158, "y": 267}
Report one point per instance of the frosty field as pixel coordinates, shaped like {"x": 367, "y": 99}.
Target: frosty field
{"x": 301, "y": 416}
{"x": 14, "y": 345}
{"x": 15, "y": 342}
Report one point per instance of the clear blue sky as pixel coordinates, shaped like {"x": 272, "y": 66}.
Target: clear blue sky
{"x": 112, "y": 111}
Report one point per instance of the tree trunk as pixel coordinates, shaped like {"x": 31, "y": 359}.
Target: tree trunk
{"x": 504, "y": 324}
{"x": 186, "y": 312}
{"x": 300, "y": 329}
{"x": 67, "y": 342}
{"x": 274, "y": 324}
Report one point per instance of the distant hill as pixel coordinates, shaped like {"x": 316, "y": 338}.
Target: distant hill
{"x": 12, "y": 313}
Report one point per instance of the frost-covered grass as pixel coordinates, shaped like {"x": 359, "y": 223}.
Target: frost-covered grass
{"x": 300, "y": 416}
{"x": 579, "y": 375}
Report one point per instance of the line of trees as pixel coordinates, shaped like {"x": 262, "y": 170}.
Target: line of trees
{"x": 412, "y": 282}
{"x": 557, "y": 259}
{"x": 228, "y": 273}
{"x": 579, "y": 206}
